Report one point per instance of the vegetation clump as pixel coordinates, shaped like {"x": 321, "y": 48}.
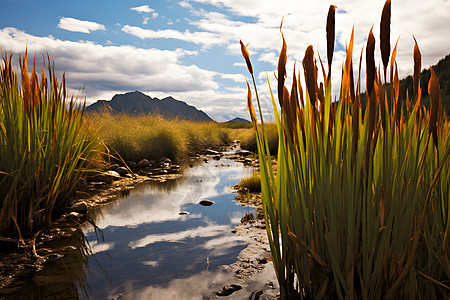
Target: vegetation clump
{"x": 153, "y": 137}
{"x": 45, "y": 148}
{"x": 360, "y": 206}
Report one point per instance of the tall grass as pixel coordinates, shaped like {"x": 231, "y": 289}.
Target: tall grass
{"x": 153, "y": 137}
{"x": 44, "y": 148}
{"x": 360, "y": 207}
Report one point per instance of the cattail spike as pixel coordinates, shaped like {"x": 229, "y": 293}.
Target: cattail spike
{"x": 417, "y": 67}
{"x": 370, "y": 62}
{"x": 308, "y": 66}
{"x": 282, "y": 68}
{"x": 385, "y": 32}
{"x": 246, "y": 56}
{"x": 330, "y": 36}
{"x": 435, "y": 102}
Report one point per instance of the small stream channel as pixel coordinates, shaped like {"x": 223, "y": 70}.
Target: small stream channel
{"x": 143, "y": 248}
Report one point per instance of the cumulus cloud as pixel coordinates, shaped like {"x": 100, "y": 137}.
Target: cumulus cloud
{"x": 76, "y": 25}
{"x": 143, "y": 9}
{"x": 107, "y": 70}
{"x": 203, "y": 38}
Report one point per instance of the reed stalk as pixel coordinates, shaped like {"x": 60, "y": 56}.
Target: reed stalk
{"x": 360, "y": 206}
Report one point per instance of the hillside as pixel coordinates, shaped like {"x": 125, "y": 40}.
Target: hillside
{"x": 442, "y": 69}
{"x": 137, "y": 103}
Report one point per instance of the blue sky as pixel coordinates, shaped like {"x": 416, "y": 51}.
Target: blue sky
{"x": 189, "y": 49}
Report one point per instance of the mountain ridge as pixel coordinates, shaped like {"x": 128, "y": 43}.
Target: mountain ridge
{"x": 136, "y": 103}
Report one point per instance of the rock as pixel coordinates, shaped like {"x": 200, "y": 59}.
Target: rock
{"x": 122, "y": 171}
{"x": 243, "y": 152}
{"x": 131, "y": 163}
{"x": 206, "y": 202}
{"x": 216, "y": 157}
{"x": 113, "y": 166}
{"x": 143, "y": 163}
{"x": 229, "y": 289}
{"x": 112, "y": 174}
{"x": 247, "y": 161}
{"x": 80, "y": 207}
{"x": 183, "y": 213}
{"x": 74, "y": 216}
{"x": 165, "y": 159}
{"x": 100, "y": 178}
{"x": 211, "y": 152}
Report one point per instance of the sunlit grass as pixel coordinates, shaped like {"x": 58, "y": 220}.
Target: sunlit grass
{"x": 360, "y": 206}
{"x": 153, "y": 137}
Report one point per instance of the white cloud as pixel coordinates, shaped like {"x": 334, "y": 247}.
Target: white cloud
{"x": 143, "y": 9}
{"x": 203, "y": 38}
{"x": 107, "y": 70}
{"x": 154, "y": 15}
{"x": 145, "y": 20}
{"x": 76, "y": 25}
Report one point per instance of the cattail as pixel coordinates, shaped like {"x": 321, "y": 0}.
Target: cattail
{"x": 417, "y": 56}
{"x": 26, "y": 85}
{"x": 435, "y": 102}
{"x": 246, "y": 56}
{"x": 250, "y": 107}
{"x": 385, "y": 32}
{"x": 282, "y": 69}
{"x": 330, "y": 37}
{"x": 370, "y": 62}
{"x": 308, "y": 66}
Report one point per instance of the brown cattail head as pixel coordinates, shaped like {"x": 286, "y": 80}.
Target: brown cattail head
{"x": 385, "y": 32}
{"x": 310, "y": 78}
{"x": 330, "y": 36}
{"x": 435, "y": 102}
{"x": 246, "y": 56}
{"x": 250, "y": 107}
{"x": 417, "y": 67}
{"x": 370, "y": 62}
{"x": 282, "y": 69}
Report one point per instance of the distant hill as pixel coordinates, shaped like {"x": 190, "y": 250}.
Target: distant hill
{"x": 137, "y": 103}
{"x": 237, "y": 123}
{"x": 442, "y": 70}
{"x": 238, "y": 120}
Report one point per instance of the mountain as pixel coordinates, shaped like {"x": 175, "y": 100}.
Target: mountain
{"x": 238, "y": 120}
{"x": 136, "y": 103}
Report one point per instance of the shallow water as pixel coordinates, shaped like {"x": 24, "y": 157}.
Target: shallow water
{"x": 142, "y": 248}
{"x": 150, "y": 251}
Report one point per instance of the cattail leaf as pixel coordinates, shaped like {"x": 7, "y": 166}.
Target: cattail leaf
{"x": 246, "y": 56}
{"x": 385, "y": 33}
{"x": 330, "y": 36}
{"x": 347, "y": 67}
{"x": 309, "y": 69}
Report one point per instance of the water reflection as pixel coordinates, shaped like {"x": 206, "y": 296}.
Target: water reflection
{"x": 149, "y": 249}
{"x": 141, "y": 248}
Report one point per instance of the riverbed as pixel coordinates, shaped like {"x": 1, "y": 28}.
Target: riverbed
{"x": 154, "y": 242}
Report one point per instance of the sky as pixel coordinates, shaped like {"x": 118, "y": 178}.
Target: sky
{"x": 189, "y": 49}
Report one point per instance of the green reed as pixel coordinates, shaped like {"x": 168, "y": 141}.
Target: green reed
{"x": 44, "y": 148}
{"x": 360, "y": 206}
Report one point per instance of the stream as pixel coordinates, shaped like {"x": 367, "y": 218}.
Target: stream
{"x": 141, "y": 247}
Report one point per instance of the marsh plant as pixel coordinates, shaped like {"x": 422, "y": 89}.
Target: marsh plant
{"x": 360, "y": 206}
{"x": 44, "y": 147}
